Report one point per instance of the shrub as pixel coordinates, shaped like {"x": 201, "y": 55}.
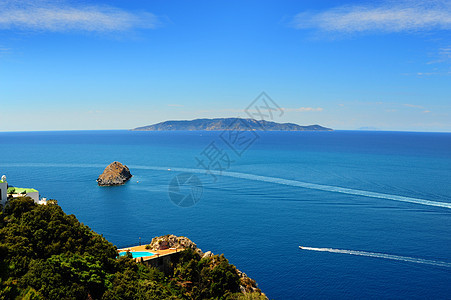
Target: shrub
{"x": 46, "y": 254}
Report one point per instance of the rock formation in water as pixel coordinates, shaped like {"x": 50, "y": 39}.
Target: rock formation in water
{"x": 114, "y": 174}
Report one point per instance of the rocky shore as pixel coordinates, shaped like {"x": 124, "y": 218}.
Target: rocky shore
{"x": 114, "y": 174}
{"x": 247, "y": 284}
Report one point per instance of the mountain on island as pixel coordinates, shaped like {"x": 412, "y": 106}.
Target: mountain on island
{"x": 229, "y": 124}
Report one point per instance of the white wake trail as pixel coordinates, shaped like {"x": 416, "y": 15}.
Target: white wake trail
{"x": 382, "y": 255}
{"x": 295, "y": 183}
{"x": 312, "y": 186}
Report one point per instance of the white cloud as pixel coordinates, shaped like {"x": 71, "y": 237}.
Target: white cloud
{"x": 302, "y": 109}
{"x": 413, "y": 106}
{"x": 426, "y": 73}
{"x": 5, "y": 51}
{"x": 443, "y": 56}
{"x": 425, "y": 110}
{"x": 387, "y": 16}
{"x": 60, "y": 16}
{"x": 445, "y": 52}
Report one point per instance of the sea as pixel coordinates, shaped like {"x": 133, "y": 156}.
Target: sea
{"x": 372, "y": 210}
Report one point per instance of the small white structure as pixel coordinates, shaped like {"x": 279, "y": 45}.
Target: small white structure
{"x": 3, "y": 190}
{"x": 17, "y": 192}
{"x": 26, "y": 192}
{"x": 43, "y": 201}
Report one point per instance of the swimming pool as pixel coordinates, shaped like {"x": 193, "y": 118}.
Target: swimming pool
{"x": 137, "y": 253}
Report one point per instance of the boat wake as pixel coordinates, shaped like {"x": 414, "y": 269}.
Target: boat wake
{"x": 294, "y": 183}
{"x": 313, "y": 186}
{"x": 381, "y": 255}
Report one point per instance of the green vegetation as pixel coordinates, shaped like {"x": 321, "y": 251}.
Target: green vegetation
{"x": 230, "y": 124}
{"x": 46, "y": 254}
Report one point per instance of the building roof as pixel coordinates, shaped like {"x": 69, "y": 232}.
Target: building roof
{"x": 21, "y": 190}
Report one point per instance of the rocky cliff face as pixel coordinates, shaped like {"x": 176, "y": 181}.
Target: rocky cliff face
{"x": 172, "y": 241}
{"x": 247, "y": 284}
{"x": 114, "y": 174}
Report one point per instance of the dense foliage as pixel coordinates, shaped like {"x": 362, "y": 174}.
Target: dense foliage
{"x": 46, "y": 254}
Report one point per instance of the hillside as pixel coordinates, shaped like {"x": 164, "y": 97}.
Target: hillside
{"x": 229, "y": 124}
{"x": 46, "y": 254}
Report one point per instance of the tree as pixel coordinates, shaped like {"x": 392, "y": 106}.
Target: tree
{"x": 47, "y": 254}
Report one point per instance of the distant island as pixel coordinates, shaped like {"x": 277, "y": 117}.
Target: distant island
{"x": 221, "y": 124}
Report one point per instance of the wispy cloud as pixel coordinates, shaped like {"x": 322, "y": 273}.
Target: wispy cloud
{"x": 422, "y": 108}
{"x": 60, "y": 16}
{"x": 426, "y": 73}
{"x": 413, "y": 106}
{"x": 445, "y": 52}
{"x": 443, "y": 56}
{"x": 4, "y": 50}
{"x": 175, "y": 105}
{"x": 387, "y": 16}
{"x": 302, "y": 109}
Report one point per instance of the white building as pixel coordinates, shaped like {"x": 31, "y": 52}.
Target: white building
{"x": 3, "y": 190}
{"x": 17, "y": 192}
{"x": 26, "y": 192}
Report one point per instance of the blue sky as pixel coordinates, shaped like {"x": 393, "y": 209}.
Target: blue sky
{"x": 69, "y": 65}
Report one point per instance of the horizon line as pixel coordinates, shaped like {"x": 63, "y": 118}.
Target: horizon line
{"x": 79, "y": 130}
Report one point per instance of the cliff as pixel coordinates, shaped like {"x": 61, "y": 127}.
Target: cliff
{"x": 65, "y": 259}
{"x": 246, "y": 284}
{"x": 230, "y": 124}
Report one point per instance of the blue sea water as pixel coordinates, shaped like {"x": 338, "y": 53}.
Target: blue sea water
{"x": 264, "y": 206}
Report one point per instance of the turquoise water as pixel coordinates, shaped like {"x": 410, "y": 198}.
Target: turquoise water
{"x": 137, "y": 254}
{"x": 372, "y": 207}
